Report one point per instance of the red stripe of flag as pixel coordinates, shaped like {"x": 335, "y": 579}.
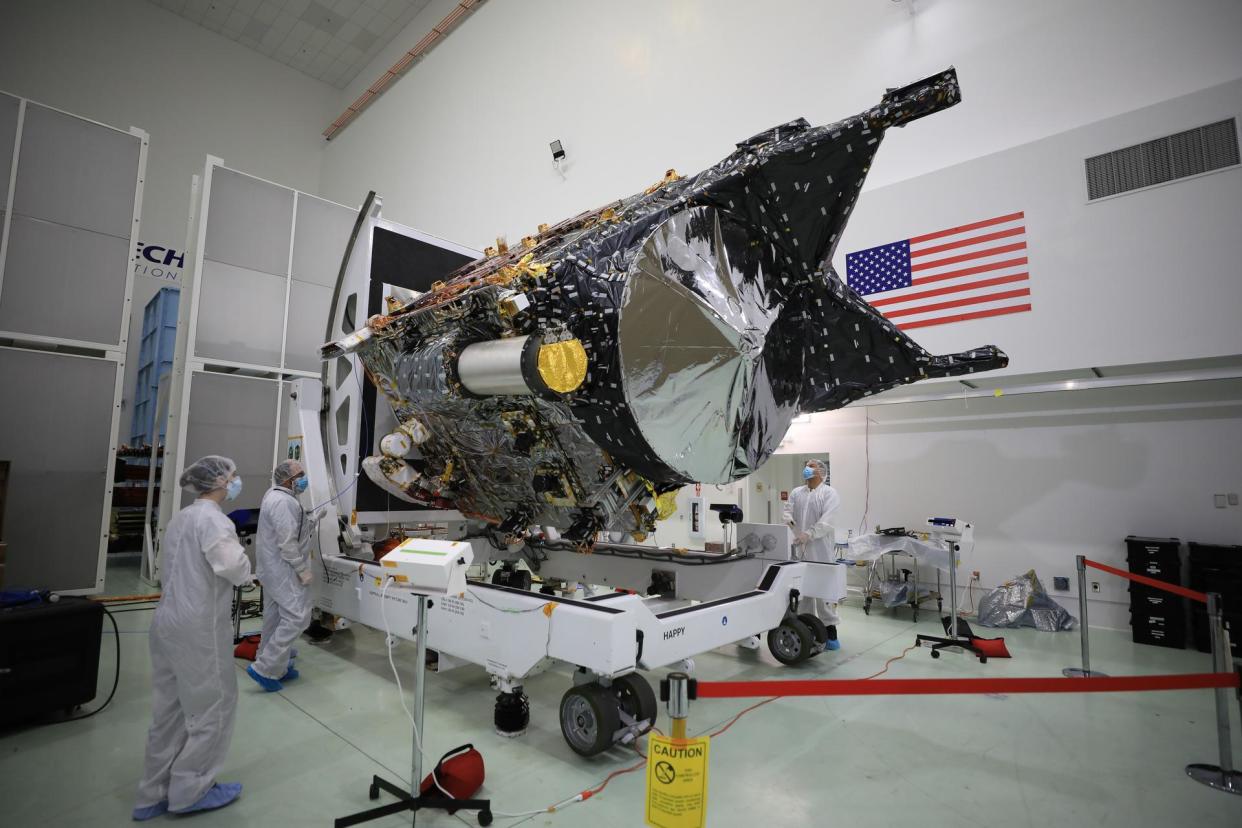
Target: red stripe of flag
{"x": 927, "y": 294}
{"x": 966, "y": 227}
{"x": 966, "y": 257}
{"x": 940, "y": 248}
{"x": 969, "y": 271}
{"x": 957, "y": 303}
{"x": 944, "y": 320}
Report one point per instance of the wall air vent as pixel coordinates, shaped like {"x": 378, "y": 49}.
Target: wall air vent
{"x": 1181, "y": 155}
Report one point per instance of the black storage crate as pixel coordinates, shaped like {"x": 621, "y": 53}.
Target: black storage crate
{"x": 1156, "y": 616}
{"x": 1142, "y": 551}
{"x": 1162, "y": 569}
{"x": 1228, "y": 584}
{"x": 1210, "y": 556}
{"x": 1152, "y": 600}
{"x": 1200, "y": 632}
{"x": 1158, "y": 634}
{"x": 49, "y": 657}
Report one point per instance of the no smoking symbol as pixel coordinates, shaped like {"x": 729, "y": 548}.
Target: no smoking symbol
{"x": 665, "y": 773}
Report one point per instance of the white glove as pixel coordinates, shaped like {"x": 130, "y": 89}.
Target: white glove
{"x": 305, "y": 576}
{"x": 317, "y": 515}
{"x": 803, "y": 538}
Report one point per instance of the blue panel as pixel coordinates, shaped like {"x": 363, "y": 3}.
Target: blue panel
{"x": 155, "y": 358}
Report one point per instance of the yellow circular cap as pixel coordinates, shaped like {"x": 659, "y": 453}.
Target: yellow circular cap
{"x": 563, "y": 365}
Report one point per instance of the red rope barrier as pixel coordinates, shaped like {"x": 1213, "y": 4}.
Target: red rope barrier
{"x": 933, "y": 687}
{"x": 1201, "y": 597}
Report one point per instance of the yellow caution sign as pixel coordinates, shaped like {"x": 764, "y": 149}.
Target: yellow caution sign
{"x": 676, "y": 782}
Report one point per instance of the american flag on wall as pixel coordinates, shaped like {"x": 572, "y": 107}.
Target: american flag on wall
{"x": 968, "y": 272}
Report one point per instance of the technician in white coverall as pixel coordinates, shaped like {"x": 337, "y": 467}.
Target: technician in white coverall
{"x": 282, "y": 552}
{"x": 809, "y": 512}
{"x": 193, "y": 680}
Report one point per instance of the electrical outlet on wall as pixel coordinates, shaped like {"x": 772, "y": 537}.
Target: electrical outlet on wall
{"x": 974, "y": 576}
{"x": 1220, "y": 501}
{"x": 1060, "y": 583}
{"x": 1095, "y": 586}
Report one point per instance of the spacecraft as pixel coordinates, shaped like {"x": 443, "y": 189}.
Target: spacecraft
{"x": 578, "y": 378}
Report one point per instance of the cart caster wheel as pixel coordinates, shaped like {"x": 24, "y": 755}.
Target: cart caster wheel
{"x": 983, "y": 659}
{"x": 935, "y": 654}
{"x": 916, "y": 618}
{"x": 819, "y": 631}
{"x": 485, "y": 817}
{"x": 373, "y": 793}
{"x": 791, "y": 642}
{"x": 867, "y": 608}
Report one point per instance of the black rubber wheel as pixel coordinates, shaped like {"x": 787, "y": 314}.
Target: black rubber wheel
{"x": 818, "y": 630}
{"x": 512, "y": 712}
{"x": 636, "y": 698}
{"x": 983, "y": 659}
{"x": 485, "y": 817}
{"x": 791, "y": 642}
{"x": 373, "y": 793}
{"x": 867, "y": 607}
{"x": 589, "y": 718}
{"x": 935, "y": 654}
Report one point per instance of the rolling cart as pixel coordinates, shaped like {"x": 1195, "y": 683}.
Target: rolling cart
{"x": 885, "y": 571}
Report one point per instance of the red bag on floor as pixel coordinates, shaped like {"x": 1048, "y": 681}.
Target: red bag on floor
{"x": 248, "y": 647}
{"x": 991, "y": 647}
{"x": 459, "y": 772}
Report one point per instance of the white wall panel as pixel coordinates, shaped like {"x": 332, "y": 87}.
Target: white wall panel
{"x": 68, "y": 242}
{"x": 240, "y": 315}
{"x": 67, "y": 246}
{"x": 63, "y": 281}
{"x": 257, "y": 307}
{"x": 251, "y": 221}
{"x": 75, "y": 172}
{"x": 234, "y": 417}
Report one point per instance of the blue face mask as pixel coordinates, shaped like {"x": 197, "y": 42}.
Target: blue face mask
{"x": 300, "y": 485}
{"x": 233, "y": 489}
{"x": 808, "y": 473}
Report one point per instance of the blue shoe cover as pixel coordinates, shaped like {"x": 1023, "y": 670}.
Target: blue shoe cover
{"x": 217, "y": 796}
{"x": 291, "y": 673}
{"x": 832, "y": 644}
{"x": 270, "y": 685}
{"x": 150, "y": 811}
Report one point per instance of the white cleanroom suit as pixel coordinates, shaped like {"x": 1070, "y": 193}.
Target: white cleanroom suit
{"x": 810, "y": 511}
{"x": 194, "y": 682}
{"x": 282, "y": 554}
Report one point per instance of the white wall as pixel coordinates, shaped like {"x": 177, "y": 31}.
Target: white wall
{"x": 458, "y": 146}
{"x": 1045, "y": 477}
{"x": 129, "y": 62}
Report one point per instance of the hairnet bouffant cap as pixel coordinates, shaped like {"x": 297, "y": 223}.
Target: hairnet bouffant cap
{"x": 208, "y": 474}
{"x": 286, "y": 470}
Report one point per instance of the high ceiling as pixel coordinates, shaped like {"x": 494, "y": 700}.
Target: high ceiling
{"x": 330, "y": 40}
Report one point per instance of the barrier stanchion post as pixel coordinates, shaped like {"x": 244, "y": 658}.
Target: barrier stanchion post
{"x": 1222, "y": 777}
{"x": 1085, "y": 671}
{"x": 678, "y": 703}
